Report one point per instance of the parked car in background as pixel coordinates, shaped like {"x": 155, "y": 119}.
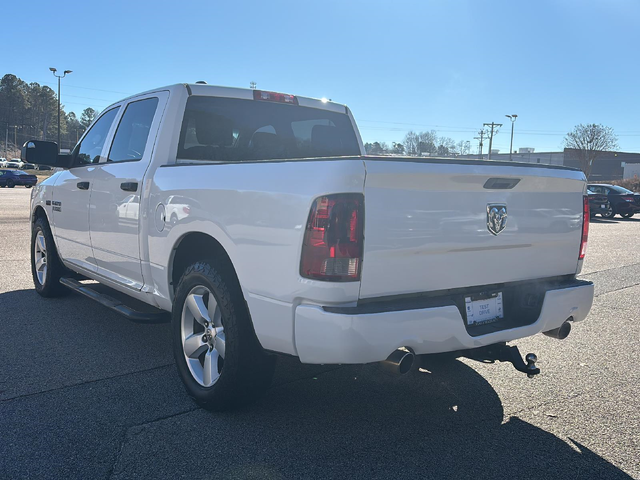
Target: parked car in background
{"x": 14, "y": 163}
{"x": 28, "y": 166}
{"x": 43, "y": 167}
{"x": 11, "y": 178}
{"x": 623, "y": 202}
{"x": 598, "y": 204}
{"x": 2, "y": 161}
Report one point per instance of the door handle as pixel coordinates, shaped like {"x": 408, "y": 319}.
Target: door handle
{"x": 83, "y": 185}
{"x": 129, "y": 186}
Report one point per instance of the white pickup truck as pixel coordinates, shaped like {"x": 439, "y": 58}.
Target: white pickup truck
{"x": 255, "y": 218}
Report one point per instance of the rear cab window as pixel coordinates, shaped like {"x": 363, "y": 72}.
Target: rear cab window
{"x": 216, "y": 129}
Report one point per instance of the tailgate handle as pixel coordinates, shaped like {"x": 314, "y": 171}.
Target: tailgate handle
{"x": 83, "y": 185}
{"x": 129, "y": 186}
{"x": 501, "y": 183}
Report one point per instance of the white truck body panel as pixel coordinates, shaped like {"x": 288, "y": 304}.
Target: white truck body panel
{"x": 426, "y": 226}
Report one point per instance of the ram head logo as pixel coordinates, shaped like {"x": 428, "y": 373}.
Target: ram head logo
{"x": 496, "y": 217}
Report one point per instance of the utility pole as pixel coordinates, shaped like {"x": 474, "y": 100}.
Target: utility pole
{"x": 513, "y": 121}
{"x": 492, "y": 125}
{"x": 481, "y": 138}
{"x": 6, "y": 141}
{"x": 253, "y": 85}
{"x": 53, "y": 70}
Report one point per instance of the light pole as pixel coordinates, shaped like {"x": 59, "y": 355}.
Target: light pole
{"x": 513, "y": 120}
{"x": 64, "y": 74}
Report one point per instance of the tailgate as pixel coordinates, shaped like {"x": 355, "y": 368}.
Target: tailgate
{"x": 426, "y": 225}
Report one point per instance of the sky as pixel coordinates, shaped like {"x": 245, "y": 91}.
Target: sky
{"x": 400, "y": 65}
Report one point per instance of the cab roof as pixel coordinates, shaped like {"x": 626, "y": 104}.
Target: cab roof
{"x": 202, "y": 89}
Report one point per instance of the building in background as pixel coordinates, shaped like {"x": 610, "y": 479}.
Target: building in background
{"x": 609, "y": 166}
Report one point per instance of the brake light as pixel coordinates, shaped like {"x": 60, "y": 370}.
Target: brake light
{"x": 585, "y": 227}
{"x": 275, "y": 97}
{"x": 333, "y": 239}
{"x": 628, "y": 199}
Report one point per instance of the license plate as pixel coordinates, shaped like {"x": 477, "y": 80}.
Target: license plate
{"x": 484, "y": 310}
{"x": 603, "y": 206}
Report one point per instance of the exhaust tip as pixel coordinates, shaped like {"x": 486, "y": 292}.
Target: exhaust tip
{"x": 399, "y": 362}
{"x": 561, "y": 332}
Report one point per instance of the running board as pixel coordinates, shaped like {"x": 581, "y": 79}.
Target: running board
{"x": 115, "y": 304}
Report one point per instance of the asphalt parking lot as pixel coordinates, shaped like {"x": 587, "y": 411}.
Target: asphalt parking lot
{"x": 84, "y": 393}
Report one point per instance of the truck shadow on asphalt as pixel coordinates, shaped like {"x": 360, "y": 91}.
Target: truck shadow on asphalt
{"x": 445, "y": 421}
{"x": 442, "y": 421}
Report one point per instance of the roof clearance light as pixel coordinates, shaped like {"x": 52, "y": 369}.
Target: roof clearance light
{"x": 274, "y": 97}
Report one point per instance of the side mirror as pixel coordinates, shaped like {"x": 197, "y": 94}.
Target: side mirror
{"x": 44, "y": 153}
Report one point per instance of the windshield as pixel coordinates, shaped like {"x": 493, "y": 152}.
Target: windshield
{"x": 618, "y": 189}
{"x": 235, "y": 130}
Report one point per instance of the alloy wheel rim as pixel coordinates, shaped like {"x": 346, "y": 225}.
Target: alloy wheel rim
{"x": 40, "y": 256}
{"x": 202, "y": 336}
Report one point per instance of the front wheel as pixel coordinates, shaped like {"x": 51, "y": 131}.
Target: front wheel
{"x": 46, "y": 267}
{"x": 218, "y": 356}
{"x": 10, "y": 184}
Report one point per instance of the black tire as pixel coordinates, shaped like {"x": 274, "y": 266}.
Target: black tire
{"x": 247, "y": 369}
{"x": 51, "y": 287}
{"x": 28, "y": 186}
{"x": 10, "y": 184}
{"x": 627, "y": 215}
{"x": 610, "y": 213}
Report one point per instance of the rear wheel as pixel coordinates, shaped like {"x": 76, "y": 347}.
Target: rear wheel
{"x": 627, "y": 215}
{"x": 46, "y": 267}
{"x": 609, "y": 213}
{"x": 218, "y": 356}
{"x": 10, "y": 184}
{"x": 28, "y": 186}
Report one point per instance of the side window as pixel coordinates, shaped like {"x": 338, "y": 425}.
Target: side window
{"x": 89, "y": 150}
{"x": 133, "y": 131}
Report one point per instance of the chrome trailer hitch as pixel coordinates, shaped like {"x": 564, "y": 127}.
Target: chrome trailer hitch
{"x": 501, "y": 352}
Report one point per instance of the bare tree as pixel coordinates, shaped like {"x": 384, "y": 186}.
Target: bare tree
{"x": 446, "y": 146}
{"x": 590, "y": 141}
{"x": 464, "y": 147}
{"x": 427, "y": 142}
{"x": 412, "y": 143}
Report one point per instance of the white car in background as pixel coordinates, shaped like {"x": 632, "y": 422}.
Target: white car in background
{"x": 13, "y": 163}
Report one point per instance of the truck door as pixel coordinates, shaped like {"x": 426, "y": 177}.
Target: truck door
{"x": 72, "y": 194}
{"x": 117, "y": 188}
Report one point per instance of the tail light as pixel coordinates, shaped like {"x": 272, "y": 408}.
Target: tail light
{"x": 275, "y": 97}
{"x": 333, "y": 239}
{"x": 628, "y": 199}
{"x": 585, "y": 227}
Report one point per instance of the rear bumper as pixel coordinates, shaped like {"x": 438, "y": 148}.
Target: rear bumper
{"x": 330, "y": 338}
